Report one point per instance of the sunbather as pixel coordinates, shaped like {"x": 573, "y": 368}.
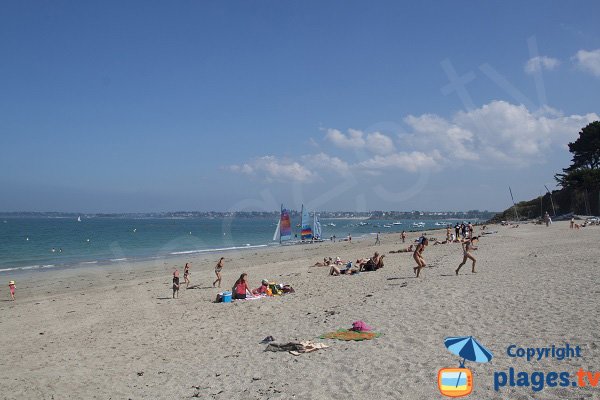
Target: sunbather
{"x": 406, "y": 250}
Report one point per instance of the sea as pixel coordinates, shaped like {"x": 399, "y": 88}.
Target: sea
{"x": 42, "y": 243}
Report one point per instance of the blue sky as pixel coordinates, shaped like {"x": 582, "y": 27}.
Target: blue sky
{"x": 198, "y": 105}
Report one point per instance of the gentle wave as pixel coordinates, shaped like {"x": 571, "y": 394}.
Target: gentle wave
{"x": 248, "y": 246}
{"x": 89, "y": 262}
{"x": 117, "y": 259}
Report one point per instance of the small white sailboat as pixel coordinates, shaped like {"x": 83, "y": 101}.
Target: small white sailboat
{"x": 317, "y": 227}
{"x": 78, "y": 218}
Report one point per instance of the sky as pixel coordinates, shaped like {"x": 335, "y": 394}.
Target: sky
{"x": 143, "y": 106}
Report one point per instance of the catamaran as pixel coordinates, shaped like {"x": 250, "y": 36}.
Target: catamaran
{"x": 283, "y": 232}
{"x": 306, "y": 232}
{"x": 317, "y": 226}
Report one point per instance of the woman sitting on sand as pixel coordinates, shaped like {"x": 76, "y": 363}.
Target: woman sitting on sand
{"x": 372, "y": 264}
{"x": 467, "y": 247}
{"x": 406, "y": 250}
{"x": 418, "y": 256}
{"x": 240, "y": 290}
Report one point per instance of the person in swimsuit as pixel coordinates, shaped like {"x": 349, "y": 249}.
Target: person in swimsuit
{"x": 241, "y": 290}
{"x": 218, "y": 269}
{"x": 406, "y": 250}
{"x": 418, "y": 255}
{"x": 467, "y": 247}
{"x": 12, "y": 287}
{"x": 176, "y": 283}
{"x": 186, "y": 274}
{"x": 403, "y": 235}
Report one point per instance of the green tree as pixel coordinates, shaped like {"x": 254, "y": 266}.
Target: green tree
{"x": 586, "y": 149}
{"x": 583, "y": 175}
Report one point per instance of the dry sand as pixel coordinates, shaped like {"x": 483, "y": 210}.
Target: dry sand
{"x": 113, "y": 332}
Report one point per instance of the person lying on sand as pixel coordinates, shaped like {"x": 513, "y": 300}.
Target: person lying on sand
{"x": 348, "y": 270}
{"x": 263, "y": 289}
{"x": 418, "y": 256}
{"x": 406, "y": 250}
{"x": 467, "y": 247}
{"x": 326, "y": 262}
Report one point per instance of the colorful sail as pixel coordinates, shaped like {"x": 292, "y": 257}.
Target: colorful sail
{"x": 285, "y": 225}
{"x": 306, "y": 233}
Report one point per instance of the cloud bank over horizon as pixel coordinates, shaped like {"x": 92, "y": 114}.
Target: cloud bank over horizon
{"x": 496, "y": 135}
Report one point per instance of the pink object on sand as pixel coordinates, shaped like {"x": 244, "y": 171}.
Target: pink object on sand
{"x": 360, "y": 326}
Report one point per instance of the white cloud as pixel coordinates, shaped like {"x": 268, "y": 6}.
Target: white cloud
{"x": 501, "y": 133}
{"x": 589, "y": 61}
{"x": 274, "y": 169}
{"x": 354, "y": 139}
{"x": 496, "y": 135}
{"x": 379, "y": 143}
{"x": 411, "y": 162}
{"x": 536, "y": 64}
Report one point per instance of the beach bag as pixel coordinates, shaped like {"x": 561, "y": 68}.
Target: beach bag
{"x": 274, "y": 289}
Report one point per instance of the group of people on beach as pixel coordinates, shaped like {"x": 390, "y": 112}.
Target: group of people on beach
{"x": 464, "y": 234}
{"x": 240, "y": 289}
{"x": 468, "y": 245}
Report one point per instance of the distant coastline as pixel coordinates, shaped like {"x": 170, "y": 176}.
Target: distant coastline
{"x": 342, "y": 215}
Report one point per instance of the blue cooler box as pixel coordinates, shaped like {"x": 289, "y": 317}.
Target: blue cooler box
{"x": 226, "y": 297}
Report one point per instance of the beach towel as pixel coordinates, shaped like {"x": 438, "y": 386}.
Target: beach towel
{"x": 296, "y": 348}
{"x": 345, "y": 334}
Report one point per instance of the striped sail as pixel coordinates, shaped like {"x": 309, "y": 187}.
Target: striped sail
{"x": 285, "y": 226}
{"x": 306, "y": 233}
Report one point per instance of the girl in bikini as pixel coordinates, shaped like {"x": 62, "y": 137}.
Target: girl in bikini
{"x": 467, "y": 247}
{"x": 218, "y": 269}
{"x": 186, "y": 275}
{"x": 418, "y": 256}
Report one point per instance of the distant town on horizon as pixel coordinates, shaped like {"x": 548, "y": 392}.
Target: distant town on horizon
{"x": 429, "y": 215}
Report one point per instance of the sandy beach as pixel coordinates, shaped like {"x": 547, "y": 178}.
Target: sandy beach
{"x": 113, "y": 332}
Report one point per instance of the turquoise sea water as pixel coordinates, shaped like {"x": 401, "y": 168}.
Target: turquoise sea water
{"x": 28, "y": 243}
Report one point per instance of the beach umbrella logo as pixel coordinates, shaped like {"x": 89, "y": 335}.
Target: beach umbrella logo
{"x": 458, "y": 382}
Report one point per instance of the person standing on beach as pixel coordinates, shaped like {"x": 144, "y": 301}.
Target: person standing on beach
{"x": 572, "y": 224}
{"x": 12, "y": 287}
{"x": 403, "y": 236}
{"x": 418, "y": 255}
{"x": 218, "y": 269}
{"x": 457, "y": 230}
{"x": 377, "y": 241}
{"x": 467, "y": 247}
{"x": 176, "y": 283}
{"x": 448, "y": 234}
{"x": 186, "y": 275}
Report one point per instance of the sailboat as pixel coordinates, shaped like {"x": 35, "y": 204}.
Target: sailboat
{"x": 283, "y": 232}
{"x": 317, "y": 227}
{"x": 306, "y": 233}
{"x": 78, "y": 218}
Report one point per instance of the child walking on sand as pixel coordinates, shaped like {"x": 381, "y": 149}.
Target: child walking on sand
{"x": 418, "y": 255}
{"x": 176, "y": 283}
{"x": 12, "y": 287}
{"x": 218, "y": 269}
{"x": 467, "y": 247}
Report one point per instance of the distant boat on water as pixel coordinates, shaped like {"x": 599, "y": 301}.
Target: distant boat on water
{"x": 78, "y": 219}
